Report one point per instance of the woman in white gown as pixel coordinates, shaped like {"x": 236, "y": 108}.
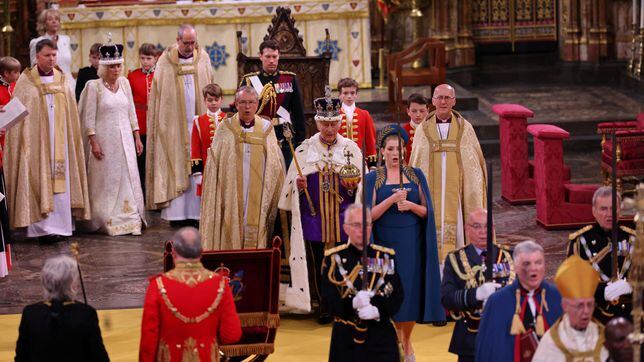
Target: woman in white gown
{"x": 48, "y": 25}
{"x": 113, "y": 142}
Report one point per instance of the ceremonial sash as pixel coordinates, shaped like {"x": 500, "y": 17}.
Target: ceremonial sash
{"x": 257, "y": 142}
{"x": 57, "y": 89}
{"x": 182, "y": 69}
{"x": 446, "y": 222}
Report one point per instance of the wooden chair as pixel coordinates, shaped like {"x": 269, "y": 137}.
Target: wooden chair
{"x": 427, "y": 50}
{"x": 312, "y": 72}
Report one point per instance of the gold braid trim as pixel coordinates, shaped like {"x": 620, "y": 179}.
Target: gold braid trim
{"x": 202, "y": 316}
{"x": 595, "y": 354}
{"x": 380, "y": 177}
{"x": 268, "y": 95}
{"x": 259, "y": 319}
{"x": 576, "y": 234}
{"x": 469, "y": 271}
{"x": 508, "y": 258}
{"x": 236, "y": 350}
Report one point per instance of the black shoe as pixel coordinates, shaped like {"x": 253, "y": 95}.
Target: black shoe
{"x": 176, "y": 223}
{"x": 439, "y": 324}
{"x": 324, "y": 319}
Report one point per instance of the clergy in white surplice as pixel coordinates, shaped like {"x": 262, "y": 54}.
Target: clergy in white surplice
{"x": 182, "y": 71}
{"x": 447, "y": 150}
{"x": 576, "y": 336}
{"x": 243, "y": 176}
{"x": 44, "y": 163}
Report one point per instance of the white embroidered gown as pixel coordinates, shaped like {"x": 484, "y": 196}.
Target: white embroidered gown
{"x": 114, "y": 186}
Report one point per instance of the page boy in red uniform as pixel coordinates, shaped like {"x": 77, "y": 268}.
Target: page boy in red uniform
{"x": 417, "y": 111}
{"x": 356, "y": 123}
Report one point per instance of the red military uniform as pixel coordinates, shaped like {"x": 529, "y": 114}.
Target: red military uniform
{"x": 361, "y": 126}
{"x": 410, "y": 127}
{"x": 140, "y": 82}
{"x": 188, "y": 312}
{"x": 203, "y": 131}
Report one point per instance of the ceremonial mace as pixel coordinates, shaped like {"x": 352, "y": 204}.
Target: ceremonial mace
{"x": 74, "y": 249}
{"x": 489, "y": 260}
{"x": 288, "y": 134}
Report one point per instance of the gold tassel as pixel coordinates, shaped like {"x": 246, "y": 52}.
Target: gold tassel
{"x": 517, "y": 327}
{"x": 540, "y": 327}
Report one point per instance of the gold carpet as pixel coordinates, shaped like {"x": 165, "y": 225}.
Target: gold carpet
{"x": 297, "y": 338}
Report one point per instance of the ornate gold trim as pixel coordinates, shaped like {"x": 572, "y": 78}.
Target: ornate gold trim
{"x": 202, "y": 316}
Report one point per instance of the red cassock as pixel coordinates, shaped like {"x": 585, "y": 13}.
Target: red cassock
{"x": 362, "y": 126}
{"x": 203, "y": 131}
{"x": 5, "y": 97}
{"x": 188, "y": 312}
{"x": 140, "y": 83}
{"x": 410, "y": 131}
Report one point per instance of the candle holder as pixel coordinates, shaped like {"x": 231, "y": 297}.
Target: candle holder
{"x": 631, "y": 62}
{"x": 638, "y": 70}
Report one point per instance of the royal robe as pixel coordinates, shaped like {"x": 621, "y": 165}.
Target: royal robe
{"x": 168, "y": 166}
{"x": 312, "y": 156}
{"x": 494, "y": 341}
{"x": 455, "y": 170}
{"x": 31, "y": 179}
{"x": 243, "y": 176}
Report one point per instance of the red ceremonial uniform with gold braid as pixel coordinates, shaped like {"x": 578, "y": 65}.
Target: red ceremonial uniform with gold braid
{"x": 361, "y": 126}
{"x": 203, "y": 131}
{"x": 5, "y": 97}
{"x": 410, "y": 131}
{"x": 188, "y": 312}
{"x": 140, "y": 83}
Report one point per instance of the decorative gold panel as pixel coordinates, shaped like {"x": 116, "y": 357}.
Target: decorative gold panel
{"x": 502, "y": 21}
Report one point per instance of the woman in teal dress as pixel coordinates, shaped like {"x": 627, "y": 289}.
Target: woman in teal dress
{"x": 404, "y": 221}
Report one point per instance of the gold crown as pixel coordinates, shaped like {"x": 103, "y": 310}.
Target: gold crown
{"x": 576, "y": 278}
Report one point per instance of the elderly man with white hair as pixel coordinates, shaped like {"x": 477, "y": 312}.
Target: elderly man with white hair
{"x": 60, "y": 328}
{"x": 593, "y": 243}
{"x": 575, "y": 337}
{"x": 518, "y": 315}
{"x": 182, "y": 71}
{"x": 243, "y": 177}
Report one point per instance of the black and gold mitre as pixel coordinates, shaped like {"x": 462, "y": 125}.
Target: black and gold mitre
{"x": 327, "y": 109}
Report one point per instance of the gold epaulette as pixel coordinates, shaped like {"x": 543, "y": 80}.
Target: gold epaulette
{"x": 503, "y": 246}
{"x": 286, "y": 72}
{"x": 383, "y": 249}
{"x": 336, "y": 249}
{"x": 250, "y": 74}
{"x": 627, "y": 230}
{"x": 576, "y": 234}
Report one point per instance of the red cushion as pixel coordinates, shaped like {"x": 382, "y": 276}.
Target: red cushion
{"x": 640, "y": 120}
{"x": 508, "y": 110}
{"x": 580, "y": 193}
{"x": 624, "y": 165}
{"x": 609, "y": 126}
{"x": 548, "y": 131}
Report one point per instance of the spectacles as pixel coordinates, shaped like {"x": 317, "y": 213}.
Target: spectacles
{"x": 444, "y": 98}
{"x": 358, "y": 225}
{"x": 478, "y": 226}
{"x": 188, "y": 42}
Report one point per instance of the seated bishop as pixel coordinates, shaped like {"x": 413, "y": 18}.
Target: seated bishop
{"x": 320, "y": 184}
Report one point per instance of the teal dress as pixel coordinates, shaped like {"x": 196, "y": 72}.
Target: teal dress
{"x": 414, "y": 240}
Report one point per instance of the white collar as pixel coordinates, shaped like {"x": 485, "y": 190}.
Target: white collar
{"x": 213, "y": 114}
{"x": 349, "y": 109}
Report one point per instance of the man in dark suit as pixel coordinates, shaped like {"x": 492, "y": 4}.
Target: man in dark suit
{"x": 464, "y": 289}
{"x": 60, "y": 328}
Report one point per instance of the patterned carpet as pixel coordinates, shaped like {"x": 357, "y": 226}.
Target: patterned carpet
{"x": 564, "y": 103}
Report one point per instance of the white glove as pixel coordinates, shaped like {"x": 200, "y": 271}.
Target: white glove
{"x": 362, "y": 299}
{"x": 615, "y": 289}
{"x": 485, "y": 290}
{"x": 369, "y": 313}
{"x": 198, "y": 178}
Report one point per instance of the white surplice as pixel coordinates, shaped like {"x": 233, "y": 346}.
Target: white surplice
{"x": 188, "y": 204}
{"x": 59, "y": 221}
{"x": 114, "y": 183}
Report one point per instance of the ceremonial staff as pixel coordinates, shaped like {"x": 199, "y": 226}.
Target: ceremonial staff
{"x": 614, "y": 235}
{"x": 489, "y": 260}
{"x": 288, "y": 134}
{"x": 74, "y": 249}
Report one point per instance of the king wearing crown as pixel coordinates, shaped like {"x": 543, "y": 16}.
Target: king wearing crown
{"x": 320, "y": 184}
